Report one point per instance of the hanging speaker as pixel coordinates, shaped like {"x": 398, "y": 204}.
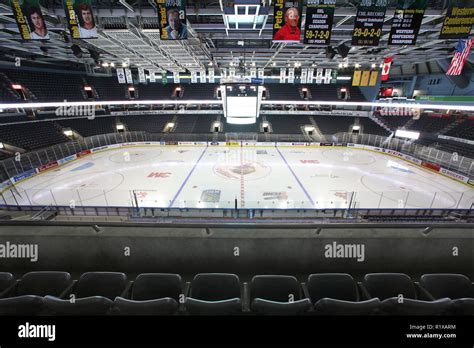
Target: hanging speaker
{"x": 343, "y": 50}
{"x": 330, "y": 53}
{"x": 94, "y": 55}
{"x": 76, "y": 50}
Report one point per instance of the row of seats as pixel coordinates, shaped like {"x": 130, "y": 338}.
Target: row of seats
{"x": 100, "y": 293}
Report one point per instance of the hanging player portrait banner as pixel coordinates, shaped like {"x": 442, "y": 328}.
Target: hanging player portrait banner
{"x": 287, "y": 21}
{"x": 407, "y": 22}
{"x": 458, "y": 21}
{"x": 369, "y": 22}
{"x": 319, "y": 19}
{"x": 29, "y": 19}
{"x": 172, "y": 18}
{"x": 80, "y": 19}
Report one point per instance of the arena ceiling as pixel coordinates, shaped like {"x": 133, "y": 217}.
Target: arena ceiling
{"x": 128, "y": 32}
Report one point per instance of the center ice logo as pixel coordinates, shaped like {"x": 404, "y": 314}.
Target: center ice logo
{"x": 249, "y": 170}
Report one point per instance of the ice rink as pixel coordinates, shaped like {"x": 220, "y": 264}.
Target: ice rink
{"x": 252, "y": 177}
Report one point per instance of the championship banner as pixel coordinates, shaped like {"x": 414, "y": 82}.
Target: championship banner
{"x": 458, "y": 21}
{"x": 327, "y": 76}
{"x": 334, "y": 75}
{"x": 80, "y": 19}
{"x": 261, "y": 74}
{"x": 310, "y": 77}
{"x": 287, "y": 21}
{"x": 29, "y": 18}
{"x": 141, "y": 75}
{"x": 373, "y": 78}
{"x": 304, "y": 76}
{"x": 202, "y": 76}
{"x": 356, "y": 78}
{"x": 369, "y": 22}
{"x": 176, "y": 76}
{"x": 407, "y": 22}
{"x": 152, "y": 76}
{"x": 120, "y": 75}
{"x": 291, "y": 75}
{"x": 194, "y": 78}
{"x": 128, "y": 75}
{"x": 282, "y": 75}
{"x": 364, "y": 81}
{"x": 319, "y": 76}
{"x": 319, "y": 19}
{"x": 210, "y": 74}
{"x": 172, "y": 19}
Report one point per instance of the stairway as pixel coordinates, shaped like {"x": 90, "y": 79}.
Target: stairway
{"x": 409, "y": 123}
{"x": 6, "y": 85}
{"x": 379, "y": 121}
{"x": 318, "y": 136}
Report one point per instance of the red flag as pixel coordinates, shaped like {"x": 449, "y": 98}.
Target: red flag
{"x": 386, "y": 68}
{"x": 462, "y": 52}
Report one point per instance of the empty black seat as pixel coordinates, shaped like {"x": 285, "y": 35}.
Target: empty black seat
{"x": 457, "y": 287}
{"x": 152, "y": 294}
{"x": 6, "y": 282}
{"x": 277, "y": 294}
{"x": 214, "y": 293}
{"x": 398, "y": 295}
{"x": 336, "y": 294}
{"x": 27, "y": 296}
{"x": 93, "y": 294}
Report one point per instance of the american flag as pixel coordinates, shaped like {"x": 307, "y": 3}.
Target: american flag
{"x": 462, "y": 52}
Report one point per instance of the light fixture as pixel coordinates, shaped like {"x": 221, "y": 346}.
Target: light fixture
{"x": 105, "y": 64}
{"x": 16, "y": 87}
{"x": 131, "y": 89}
{"x": 309, "y": 129}
{"x": 119, "y": 126}
{"x": 87, "y": 88}
{"x": 273, "y": 63}
{"x": 68, "y": 132}
{"x": 357, "y": 65}
{"x": 373, "y": 65}
{"x": 340, "y": 65}
{"x": 407, "y": 134}
{"x": 381, "y": 66}
{"x": 124, "y": 65}
{"x": 356, "y": 128}
{"x": 2, "y": 146}
{"x": 346, "y": 64}
{"x": 112, "y": 64}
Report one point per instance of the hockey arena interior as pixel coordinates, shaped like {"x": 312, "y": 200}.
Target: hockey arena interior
{"x": 181, "y": 158}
